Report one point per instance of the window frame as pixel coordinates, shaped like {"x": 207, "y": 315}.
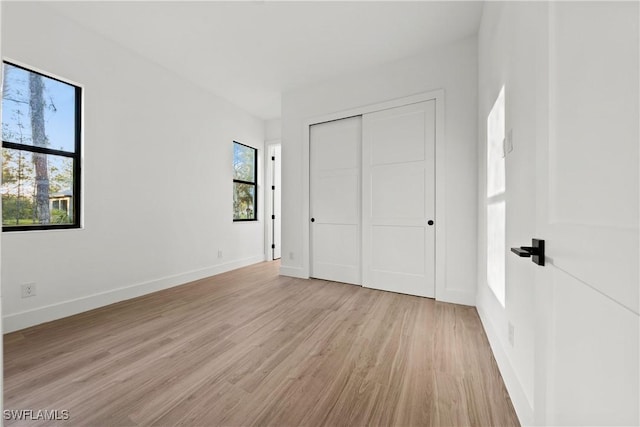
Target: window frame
{"x": 76, "y": 156}
{"x": 254, "y": 183}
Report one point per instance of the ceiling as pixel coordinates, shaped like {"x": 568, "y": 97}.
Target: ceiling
{"x": 252, "y": 52}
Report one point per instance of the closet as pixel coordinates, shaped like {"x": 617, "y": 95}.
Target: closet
{"x": 372, "y": 199}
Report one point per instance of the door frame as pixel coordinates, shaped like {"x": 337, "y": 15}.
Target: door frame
{"x": 268, "y": 229}
{"x": 440, "y": 174}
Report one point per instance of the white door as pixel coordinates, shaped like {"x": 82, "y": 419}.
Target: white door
{"x": 399, "y": 199}
{"x": 276, "y": 191}
{"x": 587, "y": 300}
{"x": 335, "y": 157}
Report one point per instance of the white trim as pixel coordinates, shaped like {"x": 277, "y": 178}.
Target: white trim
{"x": 456, "y": 296}
{"x": 41, "y": 71}
{"x": 293, "y": 272}
{"x": 268, "y": 202}
{"x": 437, "y": 95}
{"x": 524, "y": 411}
{"x": 27, "y": 318}
{"x": 441, "y": 203}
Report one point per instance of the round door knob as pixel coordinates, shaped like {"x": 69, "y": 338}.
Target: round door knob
{"x": 430, "y": 222}
{"x": 313, "y": 220}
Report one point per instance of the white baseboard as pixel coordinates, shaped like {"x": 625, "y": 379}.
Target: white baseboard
{"x": 516, "y": 392}
{"x": 24, "y": 319}
{"x": 292, "y": 272}
{"x": 456, "y": 296}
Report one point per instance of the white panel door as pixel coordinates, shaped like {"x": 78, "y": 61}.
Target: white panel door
{"x": 276, "y": 201}
{"x": 273, "y": 202}
{"x": 399, "y": 199}
{"x": 335, "y": 200}
{"x": 588, "y": 293}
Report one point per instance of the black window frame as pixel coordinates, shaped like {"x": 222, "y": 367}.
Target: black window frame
{"x": 254, "y": 183}
{"x": 76, "y": 156}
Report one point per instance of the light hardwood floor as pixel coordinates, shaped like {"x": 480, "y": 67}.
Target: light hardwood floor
{"x": 249, "y": 347}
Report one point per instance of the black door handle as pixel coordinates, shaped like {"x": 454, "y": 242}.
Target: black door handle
{"x": 523, "y": 251}
{"x": 535, "y": 251}
{"x": 313, "y": 220}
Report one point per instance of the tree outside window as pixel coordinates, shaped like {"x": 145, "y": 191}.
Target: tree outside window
{"x": 245, "y": 182}
{"x": 40, "y": 151}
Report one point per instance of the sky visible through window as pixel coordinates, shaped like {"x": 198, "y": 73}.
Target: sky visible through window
{"x": 59, "y": 115}
{"x": 33, "y": 101}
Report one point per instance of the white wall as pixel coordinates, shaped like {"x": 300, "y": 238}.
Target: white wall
{"x": 452, "y": 68}
{"x": 157, "y": 178}
{"x": 507, "y": 40}
{"x": 272, "y": 129}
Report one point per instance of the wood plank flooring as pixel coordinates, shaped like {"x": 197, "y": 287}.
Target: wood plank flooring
{"x": 249, "y": 347}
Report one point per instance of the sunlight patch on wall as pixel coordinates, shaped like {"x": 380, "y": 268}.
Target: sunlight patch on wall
{"x": 496, "y": 215}
{"x": 496, "y": 203}
{"x": 495, "y": 148}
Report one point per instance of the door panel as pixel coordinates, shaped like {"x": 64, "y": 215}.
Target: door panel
{"x": 338, "y": 148}
{"x": 387, "y": 201}
{"x": 335, "y": 200}
{"x": 398, "y": 199}
{"x": 595, "y": 364}
{"x": 338, "y": 263}
{"x": 399, "y": 138}
{"x": 593, "y": 146}
{"x": 332, "y": 206}
{"x": 398, "y": 249}
{"x": 588, "y": 294}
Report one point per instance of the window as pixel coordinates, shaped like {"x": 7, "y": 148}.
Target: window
{"x": 245, "y": 182}
{"x": 40, "y": 151}
{"x": 496, "y": 203}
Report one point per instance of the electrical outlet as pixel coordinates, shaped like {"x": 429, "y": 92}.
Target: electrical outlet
{"x": 28, "y": 290}
{"x": 219, "y": 253}
{"x": 290, "y": 255}
{"x": 511, "y": 333}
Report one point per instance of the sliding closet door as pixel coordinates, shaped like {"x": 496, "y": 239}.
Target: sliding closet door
{"x": 335, "y": 200}
{"x": 399, "y": 199}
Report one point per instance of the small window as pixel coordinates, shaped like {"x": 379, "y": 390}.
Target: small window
{"x": 245, "y": 182}
{"x": 40, "y": 151}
